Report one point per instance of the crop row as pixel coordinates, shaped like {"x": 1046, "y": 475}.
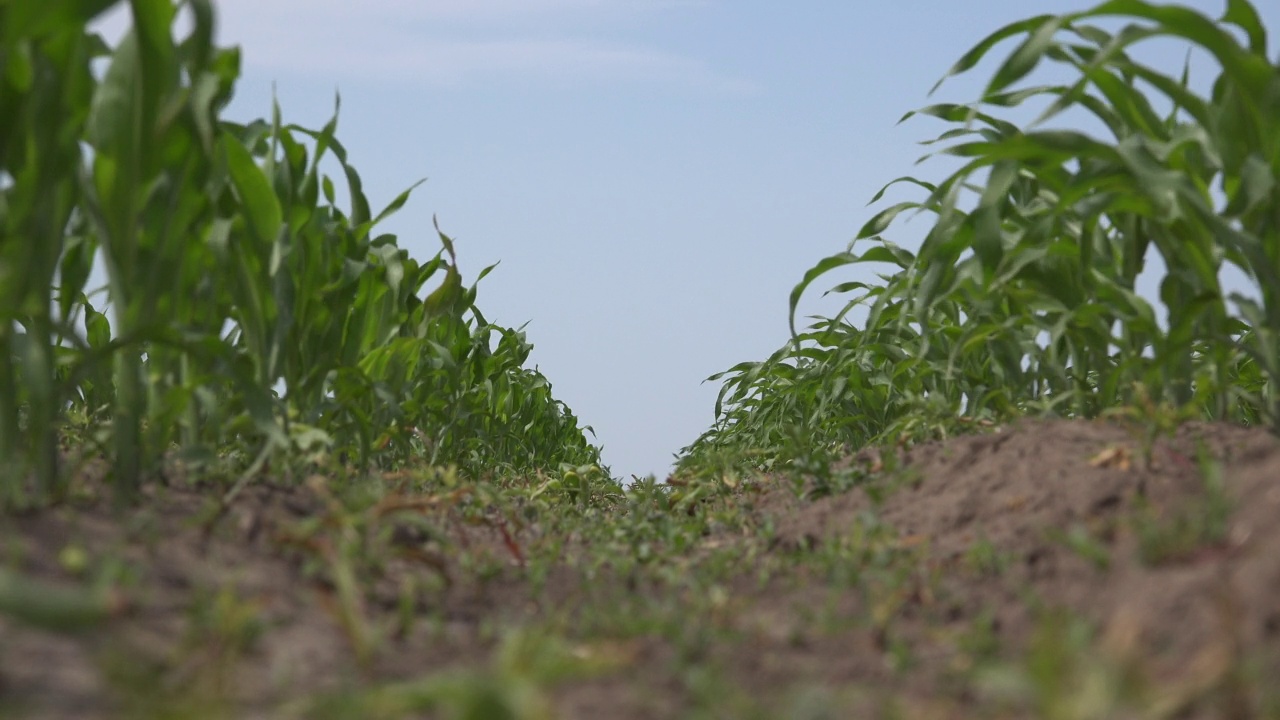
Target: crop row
{"x": 245, "y": 315}
{"x": 1023, "y": 298}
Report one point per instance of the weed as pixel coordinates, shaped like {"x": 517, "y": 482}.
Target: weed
{"x": 984, "y": 558}
{"x": 979, "y": 644}
{"x": 221, "y": 629}
{"x": 1184, "y": 532}
{"x": 1079, "y": 540}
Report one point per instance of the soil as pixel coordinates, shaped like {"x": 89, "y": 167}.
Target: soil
{"x": 1050, "y": 568}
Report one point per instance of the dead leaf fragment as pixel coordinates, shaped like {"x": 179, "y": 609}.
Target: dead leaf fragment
{"x": 1117, "y": 457}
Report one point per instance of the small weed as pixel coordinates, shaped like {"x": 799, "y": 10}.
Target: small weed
{"x": 1156, "y": 418}
{"x": 984, "y": 558}
{"x": 979, "y": 643}
{"x": 221, "y": 629}
{"x": 1187, "y": 530}
{"x": 515, "y": 686}
{"x": 56, "y": 608}
{"x": 1083, "y": 543}
{"x": 889, "y": 481}
{"x": 1066, "y": 675}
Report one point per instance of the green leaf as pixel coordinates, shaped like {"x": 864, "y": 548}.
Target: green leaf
{"x": 979, "y": 51}
{"x": 1243, "y": 15}
{"x": 253, "y": 189}
{"x": 824, "y": 266}
{"x": 1026, "y": 57}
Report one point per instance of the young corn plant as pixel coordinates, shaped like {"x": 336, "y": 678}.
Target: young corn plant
{"x": 246, "y": 314}
{"x": 44, "y": 74}
{"x": 1022, "y": 297}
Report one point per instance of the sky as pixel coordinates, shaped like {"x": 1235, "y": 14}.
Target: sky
{"x": 654, "y": 176}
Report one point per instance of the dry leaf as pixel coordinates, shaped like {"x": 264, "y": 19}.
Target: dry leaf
{"x": 1113, "y": 457}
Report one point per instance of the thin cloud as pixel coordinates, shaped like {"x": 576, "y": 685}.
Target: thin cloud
{"x": 450, "y": 42}
{"x": 461, "y": 11}
{"x": 449, "y": 62}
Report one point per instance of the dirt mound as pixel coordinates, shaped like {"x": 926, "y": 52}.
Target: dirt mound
{"x": 1009, "y": 486}
{"x": 1065, "y": 569}
{"x": 1170, "y": 544}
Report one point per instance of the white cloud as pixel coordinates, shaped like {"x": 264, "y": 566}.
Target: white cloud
{"x": 448, "y": 42}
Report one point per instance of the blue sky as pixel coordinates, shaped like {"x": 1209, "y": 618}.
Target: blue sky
{"x": 654, "y": 175}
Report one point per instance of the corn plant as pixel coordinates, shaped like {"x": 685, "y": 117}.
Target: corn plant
{"x": 1022, "y": 297}
{"x": 44, "y": 74}
{"x": 246, "y": 313}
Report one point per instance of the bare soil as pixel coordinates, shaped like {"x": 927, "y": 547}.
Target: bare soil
{"x": 1063, "y": 569}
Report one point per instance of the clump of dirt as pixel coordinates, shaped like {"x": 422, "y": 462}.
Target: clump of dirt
{"x": 942, "y": 584}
